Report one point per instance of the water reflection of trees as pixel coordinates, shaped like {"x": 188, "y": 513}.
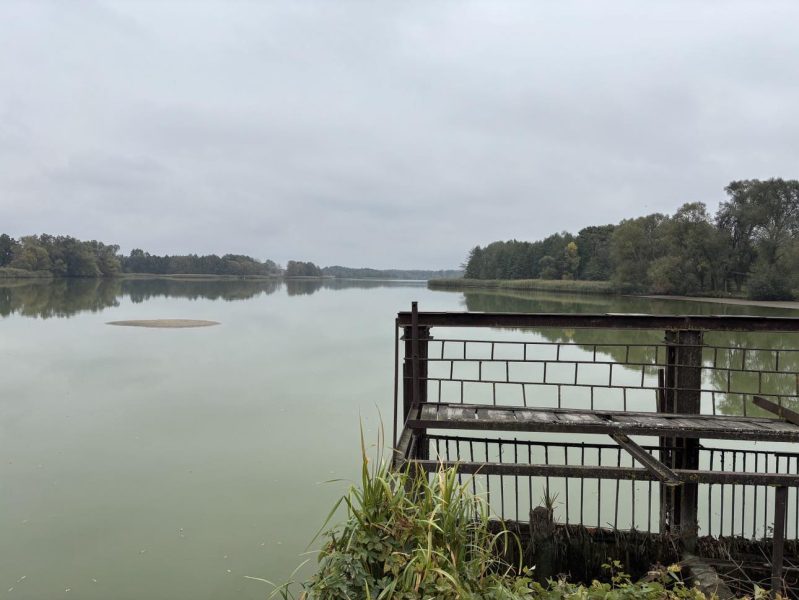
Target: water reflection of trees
{"x": 69, "y": 296}
{"x": 59, "y": 298}
{"x": 737, "y": 365}
{"x": 141, "y": 290}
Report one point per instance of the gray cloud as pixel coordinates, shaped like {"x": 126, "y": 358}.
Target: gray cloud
{"x": 386, "y": 133}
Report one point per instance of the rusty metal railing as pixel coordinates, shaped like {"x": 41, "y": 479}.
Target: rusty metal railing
{"x": 699, "y": 368}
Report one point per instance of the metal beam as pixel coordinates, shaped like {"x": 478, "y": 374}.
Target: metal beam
{"x": 602, "y": 321}
{"x": 653, "y": 465}
{"x": 597, "y": 472}
{"x": 782, "y": 412}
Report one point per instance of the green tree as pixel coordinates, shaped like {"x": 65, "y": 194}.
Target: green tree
{"x": 761, "y": 219}
{"x": 696, "y": 254}
{"x": 473, "y": 265}
{"x": 31, "y": 255}
{"x": 295, "y": 268}
{"x": 594, "y": 246}
{"x": 635, "y": 245}
{"x": 571, "y": 261}
{"x": 8, "y": 247}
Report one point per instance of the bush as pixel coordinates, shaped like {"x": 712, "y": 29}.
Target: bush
{"x": 769, "y": 282}
{"x": 408, "y": 535}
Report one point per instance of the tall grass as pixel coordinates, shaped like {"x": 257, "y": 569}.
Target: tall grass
{"x": 409, "y": 535}
{"x": 11, "y": 273}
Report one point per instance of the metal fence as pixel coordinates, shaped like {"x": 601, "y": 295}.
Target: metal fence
{"x": 526, "y": 402}
{"x": 723, "y": 510}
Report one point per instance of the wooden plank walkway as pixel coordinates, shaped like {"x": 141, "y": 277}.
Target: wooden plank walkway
{"x": 561, "y": 420}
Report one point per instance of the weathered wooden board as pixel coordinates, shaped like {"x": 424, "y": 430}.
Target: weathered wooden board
{"x": 466, "y": 416}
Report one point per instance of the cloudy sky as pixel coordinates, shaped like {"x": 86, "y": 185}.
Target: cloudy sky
{"x": 385, "y": 134}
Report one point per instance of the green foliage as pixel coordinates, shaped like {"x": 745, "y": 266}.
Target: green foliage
{"x": 593, "y": 244}
{"x": 752, "y": 241}
{"x": 769, "y": 282}
{"x": 410, "y": 535}
{"x": 140, "y": 261}
{"x": 296, "y": 268}
{"x": 571, "y": 261}
{"x": 11, "y": 273}
{"x": 8, "y": 247}
{"x": 65, "y": 256}
{"x": 407, "y": 536}
{"x": 61, "y": 256}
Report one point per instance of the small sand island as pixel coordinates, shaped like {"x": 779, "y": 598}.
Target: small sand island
{"x": 165, "y": 323}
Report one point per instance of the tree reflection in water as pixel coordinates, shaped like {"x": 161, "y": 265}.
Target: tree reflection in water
{"x": 743, "y": 363}
{"x": 69, "y": 296}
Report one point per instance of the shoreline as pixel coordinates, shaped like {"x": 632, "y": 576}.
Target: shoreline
{"x": 602, "y": 288}
{"x": 535, "y": 285}
{"x": 786, "y": 304}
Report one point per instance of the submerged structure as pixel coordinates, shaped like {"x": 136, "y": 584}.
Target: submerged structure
{"x": 645, "y": 438}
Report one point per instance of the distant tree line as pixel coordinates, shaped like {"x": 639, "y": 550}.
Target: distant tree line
{"x": 365, "y": 273}
{"x": 62, "y": 256}
{"x": 192, "y": 264}
{"x": 751, "y": 245}
{"x": 297, "y": 268}
{"x": 65, "y": 256}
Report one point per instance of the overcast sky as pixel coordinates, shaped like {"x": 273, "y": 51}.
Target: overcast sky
{"x": 385, "y": 134}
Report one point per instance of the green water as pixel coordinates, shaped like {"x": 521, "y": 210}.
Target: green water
{"x": 158, "y": 463}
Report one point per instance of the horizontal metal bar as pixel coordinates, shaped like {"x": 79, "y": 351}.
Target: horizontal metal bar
{"x": 628, "y": 364}
{"x": 592, "y": 344}
{"x": 596, "y": 446}
{"x": 598, "y": 386}
{"x": 653, "y": 465}
{"x": 603, "y": 321}
{"x": 597, "y": 472}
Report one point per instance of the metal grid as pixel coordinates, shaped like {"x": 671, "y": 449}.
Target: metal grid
{"x": 724, "y": 510}
{"x": 573, "y": 375}
{"x": 608, "y": 376}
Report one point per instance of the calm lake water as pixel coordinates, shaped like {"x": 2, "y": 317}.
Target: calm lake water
{"x": 157, "y": 463}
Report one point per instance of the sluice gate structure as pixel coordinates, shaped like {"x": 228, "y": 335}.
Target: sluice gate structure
{"x": 649, "y": 438}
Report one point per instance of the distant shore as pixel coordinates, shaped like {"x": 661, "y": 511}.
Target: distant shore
{"x": 19, "y": 275}
{"x": 195, "y": 276}
{"x": 541, "y": 285}
{"x": 10, "y": 273}
{"x": 789, "y": 304}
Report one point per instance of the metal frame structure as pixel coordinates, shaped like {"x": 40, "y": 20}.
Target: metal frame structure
{"x": 489, "y": 383}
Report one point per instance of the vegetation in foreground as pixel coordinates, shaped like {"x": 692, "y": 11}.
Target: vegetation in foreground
{"x": 750, "y": 246}
{"x": 406, "y": 536}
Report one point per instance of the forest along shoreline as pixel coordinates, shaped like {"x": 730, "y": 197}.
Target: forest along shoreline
{"x": 749, "y": 247}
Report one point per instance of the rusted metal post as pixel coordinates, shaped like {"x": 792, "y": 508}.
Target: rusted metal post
{"x": 395, "y": 425}
{"x": 683, "y": 395}
{"x": 666, "y": 454}
{"x": 414, "y": 373}
{"x": 778, "y": 540}
{"x": 542, "y": 542}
